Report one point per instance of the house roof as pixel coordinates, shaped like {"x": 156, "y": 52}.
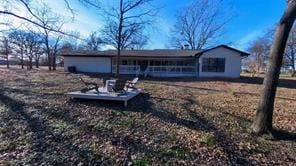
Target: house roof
{"x": 136, "y": 53}
{"x": 225, "y": 46}
{"x": 169, "y": 53}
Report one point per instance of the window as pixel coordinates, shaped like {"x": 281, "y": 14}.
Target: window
{"x": 213, "y": 64}
{"x": 157, "y": 63}
{"x": 189, "y": 63}
{"x": 164, "y": 63}
{"x": 180, "y": 63}
{"x": 124, "y": 62}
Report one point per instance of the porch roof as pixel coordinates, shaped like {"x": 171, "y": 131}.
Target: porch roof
{"x": 156, "y": 53}
{"x": 166, "y": 53}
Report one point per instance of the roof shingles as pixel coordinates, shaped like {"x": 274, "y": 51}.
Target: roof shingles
{"x": 137, "y": 53}
{"x": 148, "y": 53}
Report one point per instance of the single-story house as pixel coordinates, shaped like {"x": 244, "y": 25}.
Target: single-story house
{"x": 219, "y": 61}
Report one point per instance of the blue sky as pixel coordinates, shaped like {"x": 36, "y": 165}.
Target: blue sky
{"x": 252, "y": 19}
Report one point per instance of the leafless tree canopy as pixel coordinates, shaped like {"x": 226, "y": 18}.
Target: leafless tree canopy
{"x": 125, "y": 24}
{"x": 5, "y": 50}
{"x": 94, "y": 42}
{"x": 132, "y": 36}
{"x": 290, "y": 52}
{"x": 32, "y": 47}
{"x": 51, "y": 39}
{"x": 17, "y": 39}
{"x": 200, "y": 23}
{"x": 10, "y": 9}
{"x": 259, "y": 50}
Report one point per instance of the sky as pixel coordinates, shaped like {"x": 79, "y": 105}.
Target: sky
{"x": 252, "y": 19}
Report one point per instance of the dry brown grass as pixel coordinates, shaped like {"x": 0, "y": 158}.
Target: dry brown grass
{"x": 174, "y": 121}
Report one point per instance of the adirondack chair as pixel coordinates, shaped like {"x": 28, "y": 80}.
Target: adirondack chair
{"x": 119, "y": 85}
{"x": 89, "y": 86}
{"x": 131, "y": 84}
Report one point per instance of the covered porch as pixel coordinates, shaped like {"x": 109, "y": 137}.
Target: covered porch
{"x": 157, "y": 67}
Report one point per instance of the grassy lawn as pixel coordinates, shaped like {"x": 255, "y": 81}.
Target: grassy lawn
{"x": 177, "y": 121}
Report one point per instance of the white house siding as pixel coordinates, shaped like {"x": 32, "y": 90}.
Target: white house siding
{"x": 89, "y": 64}
{"x": 232, "y": 63}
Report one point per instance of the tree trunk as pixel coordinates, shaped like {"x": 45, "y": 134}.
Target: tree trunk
{"x": 37, "y": 63}
{"x": 53, "y": 62}
{"x": 30, "y": 65}
{"x": 49, "y": 61}
{"x": 119, "y": 39}
{"x": 117, "y": 62}
{"x": 263, "y": 121}
{"x": 293, "y": 65}
{"x": 7, "y": 61}
{"x": 22, "y": 60}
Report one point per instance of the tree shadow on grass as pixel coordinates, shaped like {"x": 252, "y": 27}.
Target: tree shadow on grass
{"x": 277, "y": 134}
{"x": 43, "y": 137}
{"x": 200, "y": 123}
{"x": 218, "y": 90}
{"x": 17, "y": 109}
{"x": 283, "y": 135}
{"x": 223, "y": 139}
{"x": 43, "y": 134}
{"x": 132, "y": 145}
{"x": 143, "y": 104}
{"x": 284, "y": 83}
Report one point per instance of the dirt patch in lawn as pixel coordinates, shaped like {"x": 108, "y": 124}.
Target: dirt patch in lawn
{"x": 174, "y": 121}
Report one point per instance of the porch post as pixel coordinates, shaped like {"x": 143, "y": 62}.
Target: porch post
{"x": 197, "y": 65}
{"x": 111, "y": 65}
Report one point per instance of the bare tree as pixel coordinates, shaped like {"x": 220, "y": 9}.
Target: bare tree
{"x": 21, "y": 39}
{"x": 94, "y": 42}
{"x": 260, "y": 47}
{"x": 55, "y": 46}
{"x": 125, "y": 24}
{"x": 10, "y": 8}
{"x": 200, "y": 24}
{"x": 5, "y": 50}
{"x": 259, "y": 50}
{"x": 32, "y": 46}
{"x": 17, "y": 38}
{"x": 38, "y": 49}
{"x": 42, "y": 17}
{"x": 49, "y": 19}
{"x": 138, "y": 42}
{"x": 69, "y": 44}
{"x": 291, "y": 51}
{"x": 264, "y": 114}
{"x": 251, "y": 65}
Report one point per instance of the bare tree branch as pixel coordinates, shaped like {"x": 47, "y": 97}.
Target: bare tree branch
{"x": 93, "y": 3}
{"x": 35, "y": 19}
{"x": 125, "y": 25}
{"x": 200, "y": 23}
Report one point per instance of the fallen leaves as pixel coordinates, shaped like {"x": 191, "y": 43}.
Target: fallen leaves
{"x": 182, "y": 121}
